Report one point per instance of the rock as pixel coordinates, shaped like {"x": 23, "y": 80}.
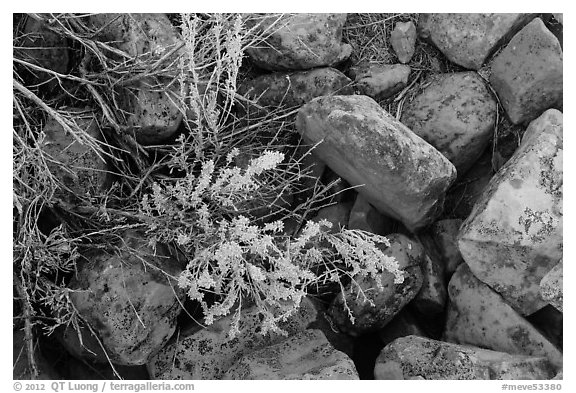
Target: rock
{"x": 402, "y": 175}
{"x": 306, "y": 355}
{"x": 20, "y": 368}
{"x": 445, "y": 234}
{"x": 208, "y": 353}
{"x": 128, "y": 299}
{"x": 527, "y": 75}
{"x": 150, "y": 103}
{"x": 299, "y": 41}
{"x": 431, "y": 299}
{"x": 365, "y": 217}
{"x": 296, "y": 88}
{"x": 551, "y": 286}
{"x": 336, "y": 214}
{"x": 479, "y": 316}
{"x": 404, "y": 324}
{"x": 456, "y": 114}
{"x": 469, "y": 39}
{"x": 414, "y": 356}
{"x": 380, "y": 81}
{"x": 559, "y": 376}
{"x": 403, "y": 41}
{"x": 559, "y": 17}
{"x": 82, "y": 172}
{"x": 387, "y": 303}
{"x": 44, "y": 48}
{"x": 513, "y": 237}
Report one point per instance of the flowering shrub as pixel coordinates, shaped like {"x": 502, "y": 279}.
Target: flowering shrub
{"x": 240, "y": 261}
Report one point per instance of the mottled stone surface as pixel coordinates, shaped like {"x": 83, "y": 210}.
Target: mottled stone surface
{"x": 149, "y": 102}
{"x": 306, "y": 356}
{"x": 414, "y": 356}
{"x": 387, "y": 303}
{"x": 79, "y": 168}
{"x": 479, "y": 316}
{"x": 380, "y": 81}
{"x": 469, "y": 39}
{"x": 552, "y": 286}
{"x": 513, "y": 236}
{"x": 293, "y": 89}
{"x": 403, "y": 41}
{"x": 207, "y": 353}
{"x": 445, "y": 235}
{"x": 455, "y": 113}
{"x": 402, "y": 175}
{"x": 129, "y": 300}
{"x": 527, "y": 75}
{"x": 299, "y": 41}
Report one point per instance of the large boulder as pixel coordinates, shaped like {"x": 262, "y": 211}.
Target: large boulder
{"x": 513, "y": 236}
{"x": 414, "y": 356}
{"x": 294, "y": 89}
{"x": 306, "y": 355}
{"x": 479, "y": 316}
{"x": 455, "y": 113}
{"x": 552, "y": 286}
{"x": 469, "y": 39}
{"x": 207, "y": 353}
{"x": 527, "y": 75}
{"x": 387, "y": 303}
{"x": 401, "y": 175}
{"x": 150, "y": 103}
{"x": 298, "y": 41}
{"x": 79, "y": 164}
{"x": 129, "y": 298}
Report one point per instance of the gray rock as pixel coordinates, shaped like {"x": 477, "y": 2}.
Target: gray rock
{"x": 337, "y": 214}
{"x": 44, "y": 48}
{"x": 552, "y": 287}
{"x": 414, "y": 356}
{"x": 559, "y": 17}
{"x": 81, "y": 170}
{"x": 469, "y": 39}
{"x": 150, "y": 103}
{"x": 445, "y": 234}
{"x": 513, "y": 237}
{"x": 403, "y": 41}
{"x": 479, "y": 316}
{"x": 402, "y": 175}
{"x": 387, "y": 303}
{"x": 306, "y": 355}
{"x": 299, "y": 41}
{"x": 207, "y": 353}
{"x": 129, "y": 299}
{"x": 295, "y": 88}
{"x": 455, "y": 113}
{"x": 380, "y": 81}
{"x": 527, "y": 75}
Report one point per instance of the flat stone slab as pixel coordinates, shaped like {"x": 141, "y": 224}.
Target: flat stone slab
{"x": 469, "y": 39}
{"x": 305, "y": 356}
{"x": 479, "y": 316}
{"x": 456, "y": 114}
{"x": 380, "y": 81}
{"x": 513, "y": 236}
{"x": 527, "y": 74}
{"x": 413, "y": 356}
{"x": 401, "y": 175}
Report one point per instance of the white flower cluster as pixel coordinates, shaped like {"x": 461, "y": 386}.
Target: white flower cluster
{"x": 240, "y": 261}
